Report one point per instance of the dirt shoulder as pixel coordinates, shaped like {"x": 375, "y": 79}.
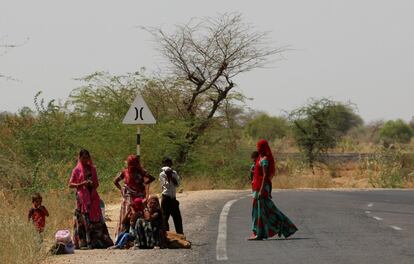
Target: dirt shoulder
{"x": 196, "y": 208}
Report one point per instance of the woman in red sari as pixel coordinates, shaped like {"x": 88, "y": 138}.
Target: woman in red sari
{"x": 136, "y": 185}
{"x": 268, "y": 220}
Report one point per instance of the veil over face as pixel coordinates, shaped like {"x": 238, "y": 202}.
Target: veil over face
{"x": 265, "y": 151}
{"x": 87, "y": 200}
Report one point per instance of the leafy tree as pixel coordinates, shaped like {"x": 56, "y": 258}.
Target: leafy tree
{"x": 319, "y": 125}
{"x": 270, "y": 128}
{"x": 106, "y": 96}
{"x": 395, "y": 132}
{"x": 345, "y": 117}
{"x": 204, "y": 56}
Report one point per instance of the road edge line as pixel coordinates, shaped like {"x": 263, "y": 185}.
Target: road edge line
{"x": 221, "y": 247}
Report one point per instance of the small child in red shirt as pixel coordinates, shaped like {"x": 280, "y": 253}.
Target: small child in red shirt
{"x": 38, "y": 213}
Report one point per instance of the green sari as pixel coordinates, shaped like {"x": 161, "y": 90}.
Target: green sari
{"x": 267, "y": 219}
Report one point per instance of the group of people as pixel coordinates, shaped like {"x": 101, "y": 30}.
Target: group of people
{"x": 146, "y": 225}
{"x": 143, "y": 220}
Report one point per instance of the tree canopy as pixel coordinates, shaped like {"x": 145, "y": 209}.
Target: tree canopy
{"x": 318, "y": 125}
{"x": 395, "y": 131}
{"x": 204, "y": 56}
{"x": 267, "y": 127}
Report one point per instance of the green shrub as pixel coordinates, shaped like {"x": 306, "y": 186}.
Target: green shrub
{"x": 396, "y": 132}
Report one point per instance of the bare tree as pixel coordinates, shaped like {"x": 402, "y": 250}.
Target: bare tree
{"x": 4, "y": 48}
{"x": 206, "y": 54}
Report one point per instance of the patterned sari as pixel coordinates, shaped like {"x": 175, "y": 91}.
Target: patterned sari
{"x": 136, "y": 185}
{"x": 90, "y": 229}
{"x": 267, "y": 219}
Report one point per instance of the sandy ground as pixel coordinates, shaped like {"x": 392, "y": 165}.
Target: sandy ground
{"x": 195, "y": 221}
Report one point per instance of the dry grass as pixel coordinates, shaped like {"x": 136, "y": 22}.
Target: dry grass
{"x": 339, "y": 175}
{"x": 306, "y": 180}
{"x": 21, "y": 243}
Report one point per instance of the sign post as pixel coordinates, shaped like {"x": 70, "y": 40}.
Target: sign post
{"x": 138, "y": 141}
{"x": 139, "y": 114}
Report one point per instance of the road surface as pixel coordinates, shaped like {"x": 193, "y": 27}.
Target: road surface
{"x": 348, "y": 226}
{"x": 372, "y": 226}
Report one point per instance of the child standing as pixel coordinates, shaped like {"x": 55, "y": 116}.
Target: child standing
{"x": 254, "y": 156}
{"x": 38, "y": 213}
{"x": 169, "y": 205}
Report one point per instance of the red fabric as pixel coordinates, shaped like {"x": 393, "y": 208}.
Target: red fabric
{"x": 134, "y": 167}
{"x": 264, "y": 153}
{"x": 39, "y": 218}
{"x": 138, "y": 204}
{"x": 88, "y": 201}
{"x": 133, "y": 164}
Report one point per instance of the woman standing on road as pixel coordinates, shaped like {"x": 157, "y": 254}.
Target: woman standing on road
{"x": 88, "y": 214}
{"x": 136, "y": 185}
{"x": 268, "y": 220}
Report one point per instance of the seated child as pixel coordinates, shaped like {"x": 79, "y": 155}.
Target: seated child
{"x": 38, "y": 213}
{"x": 128, "y": 233}
{"x": 149, "y": 227}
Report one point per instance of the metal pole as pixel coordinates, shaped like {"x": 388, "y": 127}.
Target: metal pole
{"x": 138, "y": 142}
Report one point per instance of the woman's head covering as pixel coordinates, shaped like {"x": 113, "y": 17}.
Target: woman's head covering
{"x": 265, "y": 151}
{"x": 84, "y": 152}
{"x": 88, "y": 201}
{"x": 133, "y": 164}
{"x": 138, "y": 204}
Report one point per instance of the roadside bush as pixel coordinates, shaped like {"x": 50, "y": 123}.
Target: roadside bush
{"x": 386, "y": 169}
{"x": 395, "y": 132}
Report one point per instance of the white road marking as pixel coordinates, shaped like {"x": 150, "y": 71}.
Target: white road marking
{"x": 370, "y": 204}
{"x": 377, "y": 218}
{"x": 396, "y": 227}
{"x": 367, "y": 212}
{"x": 221, "y": 249}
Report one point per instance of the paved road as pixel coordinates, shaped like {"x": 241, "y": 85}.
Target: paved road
{"x": 334, "y": 227}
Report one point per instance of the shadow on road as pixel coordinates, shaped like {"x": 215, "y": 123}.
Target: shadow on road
{"x": 284, "y": 239}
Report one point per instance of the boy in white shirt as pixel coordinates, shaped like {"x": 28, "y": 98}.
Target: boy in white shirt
{"x": 169, "y": 205}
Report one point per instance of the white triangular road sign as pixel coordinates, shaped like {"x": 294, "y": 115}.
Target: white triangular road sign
{"x": 139, "y": 113}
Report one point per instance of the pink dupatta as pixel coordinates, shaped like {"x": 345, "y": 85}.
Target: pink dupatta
{"x": 87, "y": 202}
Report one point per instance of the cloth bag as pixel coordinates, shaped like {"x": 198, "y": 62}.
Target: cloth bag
{"x": 63, "y": 243}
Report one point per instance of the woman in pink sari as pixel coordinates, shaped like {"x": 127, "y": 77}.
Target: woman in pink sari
{"x": 88, "y": 212}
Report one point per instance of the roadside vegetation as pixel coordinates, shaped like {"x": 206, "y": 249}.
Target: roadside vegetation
{"x": 202, "y": 123}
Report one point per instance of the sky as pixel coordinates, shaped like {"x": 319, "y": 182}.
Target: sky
{"x": 360, "y": 51}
